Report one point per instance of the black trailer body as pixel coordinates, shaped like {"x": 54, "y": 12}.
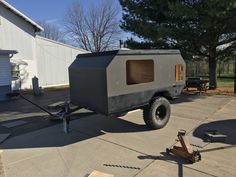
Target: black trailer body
{"x": 119, "y": 81}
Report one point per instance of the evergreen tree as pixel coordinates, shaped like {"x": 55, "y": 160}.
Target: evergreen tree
{"x": 199, "y": 28}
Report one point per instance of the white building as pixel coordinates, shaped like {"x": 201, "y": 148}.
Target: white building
{"x": 37, "y": 56}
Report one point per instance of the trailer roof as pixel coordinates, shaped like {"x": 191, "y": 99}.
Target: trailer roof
{"x": 132, "y": 52}
{"x": 101, "y": 60}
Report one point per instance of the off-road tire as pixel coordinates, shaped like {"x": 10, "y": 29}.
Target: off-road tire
{"x": 157, "y": 114}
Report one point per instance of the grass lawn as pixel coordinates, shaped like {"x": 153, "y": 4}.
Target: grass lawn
{"x": 225, "y": 87}
{"x": 225, "y": 82}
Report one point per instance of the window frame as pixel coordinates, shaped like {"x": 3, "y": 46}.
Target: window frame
{"x": 151, "y": 72}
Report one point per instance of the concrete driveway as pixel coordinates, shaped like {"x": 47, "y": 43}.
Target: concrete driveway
{"x": 120, "y": 146}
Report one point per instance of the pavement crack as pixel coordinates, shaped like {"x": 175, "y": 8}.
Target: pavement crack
{"x": 114, "y": 143}
{"x": 28, "y": 158}
{"x": 61, "y": 157}
{"x": 209, "y": 116}
{"x": 144, "y": 168}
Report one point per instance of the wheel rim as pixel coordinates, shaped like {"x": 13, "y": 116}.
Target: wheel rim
{"x": 161, "y": 112}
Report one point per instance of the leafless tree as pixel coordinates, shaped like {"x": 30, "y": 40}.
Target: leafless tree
{"x": 51, "y": 31}
{"x": 96, "y": 28}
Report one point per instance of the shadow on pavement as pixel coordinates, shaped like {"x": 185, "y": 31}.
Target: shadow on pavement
{"x": 226, "y": 127}
{"x": 19, "y": 105}
{"x": 83, "y": 128}
{"x": 34, "y": 123}
{"x": 88, "y": 126}
{"x": 187, "y": 97}
{"x": 169, "y": 158}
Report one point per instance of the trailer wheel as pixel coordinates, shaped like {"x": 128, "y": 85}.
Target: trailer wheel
{"x": 157, "y": 114}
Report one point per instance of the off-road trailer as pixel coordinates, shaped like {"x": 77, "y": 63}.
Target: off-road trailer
{"x": 115, "y": 82}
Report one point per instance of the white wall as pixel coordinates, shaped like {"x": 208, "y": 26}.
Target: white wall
{"x": 46, "y": 59}
{"x": 17, "y": 34}
{"x": 53, "y": 60}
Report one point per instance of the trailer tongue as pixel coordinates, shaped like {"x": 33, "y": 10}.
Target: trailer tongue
{"x": 64, "y": 109}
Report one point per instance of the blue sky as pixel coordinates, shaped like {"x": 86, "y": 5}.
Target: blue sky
{"x": 53, "y": 11}
{"x": 49, "y": 10}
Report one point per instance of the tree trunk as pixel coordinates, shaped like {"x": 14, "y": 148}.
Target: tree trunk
{"x": 212, "y": 73}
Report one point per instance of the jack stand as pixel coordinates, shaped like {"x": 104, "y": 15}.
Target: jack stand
{"x": 186, "y": 150}
{"x": 66, "y": 124}
{"x": 66, "y": 118}
{"x": 64, "y": 107}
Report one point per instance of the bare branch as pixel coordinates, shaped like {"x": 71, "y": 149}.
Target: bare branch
{"x": 96, "y": 29}
{"x": 51, "y": 31}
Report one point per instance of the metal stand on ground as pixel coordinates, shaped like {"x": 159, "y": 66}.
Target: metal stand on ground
{"x": 64, "y": 108}
{"x": 185, "y": 151}
{"x": 64, "y": 114}
{"x": 66, "y": 118}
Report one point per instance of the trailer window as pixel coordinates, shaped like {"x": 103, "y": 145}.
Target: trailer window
{"x": 179, "y": 72}
{"x": 139, "y": 71}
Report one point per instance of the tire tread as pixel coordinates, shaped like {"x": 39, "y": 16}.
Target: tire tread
{"x": 147, "y": 114}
